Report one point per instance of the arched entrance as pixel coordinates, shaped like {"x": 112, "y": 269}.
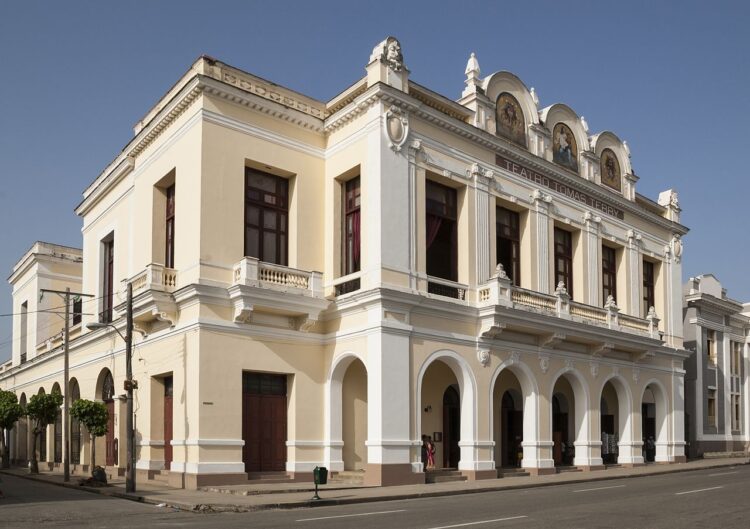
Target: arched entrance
{"x": 508, "y": 432}
{"x": 58, "y": 429}
{"x": 354, "y": 416}
{"x": 75, "y": 425}
{"x": 451, "y": 427}
{"x": 441, "y": 413}
{"x": 609, "y": 424}
{"x": 42, "y": 437}
{"x": 569, "y": 420}
{"x": 654, "y": 423}
{"x": 22, "y": 454}
{"x": 106, "y": 392}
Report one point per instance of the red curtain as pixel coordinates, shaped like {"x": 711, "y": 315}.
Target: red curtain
{"x": 433, "y": 226}
{"x": 355, "y": 238}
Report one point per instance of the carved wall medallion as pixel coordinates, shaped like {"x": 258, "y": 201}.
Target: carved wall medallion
{"x": 636, "y": 374}
{"x": 514, "y": 358}
{"x": 483, "y": 355}
{"x": 544, "y": 363}
{"x": 396, "y": 128}
{"x": 569, "y": 364}
{"x": 594, "y": 369}
{"x": 392, "y": 54}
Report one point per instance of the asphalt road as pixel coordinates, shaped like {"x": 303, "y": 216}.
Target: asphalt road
{"x": 706, "y": 498}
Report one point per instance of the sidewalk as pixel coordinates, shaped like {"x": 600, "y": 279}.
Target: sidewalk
{"x": 241, "y": 498}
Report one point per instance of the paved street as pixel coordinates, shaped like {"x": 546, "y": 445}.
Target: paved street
{"x": 705, "y": 498}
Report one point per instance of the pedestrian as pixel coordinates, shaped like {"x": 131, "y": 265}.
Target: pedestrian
{"x": 424, "y": 451}
{"x": 430, "y": 453}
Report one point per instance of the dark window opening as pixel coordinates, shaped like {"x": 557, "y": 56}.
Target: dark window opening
{"x": 169, "y": 228}
{"x": 352, "y": 222}
{"x": 108, "y": 282}
{"x": 263, "y": 384}
{"x": 609, "y": 273}
{"x": 441, "y": 232}
{"x": 648, "y": 286}
{"x": 509, "y": 243}
{"x": 266, "y": 216}
{"x": 77, "y": 310}
{"x": 564, "y": 259}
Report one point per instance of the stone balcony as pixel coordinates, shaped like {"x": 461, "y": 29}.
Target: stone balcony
{"x": 260, "y": 287}
{"x": 153, "y": 301}
{"x": 555, "y": 318}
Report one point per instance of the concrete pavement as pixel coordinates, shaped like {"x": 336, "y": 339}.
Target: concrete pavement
{"x": 241, "y": 498}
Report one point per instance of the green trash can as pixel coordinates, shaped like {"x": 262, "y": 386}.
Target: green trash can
{"x": 320, "y": 475}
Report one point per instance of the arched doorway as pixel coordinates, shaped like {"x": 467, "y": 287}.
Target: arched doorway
{"x": 609, "y": 424}
{"x": 508, "y": 432}
{"x": 23, "y": 434}
{"x": 354, "y": 416}
{"x": 440, "y": 410}
{"x": 569, "y": 420}
{"x": 106, "y": 393}
{"x": 75, "y": 425}
{"x": 654, "y": 423}
{"x": 58, "y": 429}
{"x": 451, "y": 427}
{"x": 42, "y": 437}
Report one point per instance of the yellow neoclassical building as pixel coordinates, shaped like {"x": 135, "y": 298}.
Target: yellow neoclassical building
{"x": 325, "y": 283}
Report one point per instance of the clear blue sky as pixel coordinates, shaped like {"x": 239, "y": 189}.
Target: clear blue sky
{"x": 671, "y": 78}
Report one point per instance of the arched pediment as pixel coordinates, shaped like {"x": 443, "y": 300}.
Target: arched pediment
{"x": 613, "y": 157}
{"x": 515, "y": 108}
{"x": 569, "y": 138}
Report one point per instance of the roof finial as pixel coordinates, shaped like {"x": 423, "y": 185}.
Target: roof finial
{"x": 473, "y": 82}
{"x": 534, "y": 96}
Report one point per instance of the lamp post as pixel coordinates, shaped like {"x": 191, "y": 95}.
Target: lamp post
{"x": 129, "y": 385}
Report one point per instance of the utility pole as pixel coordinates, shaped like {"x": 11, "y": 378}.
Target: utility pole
{"x": 66, "y": 375}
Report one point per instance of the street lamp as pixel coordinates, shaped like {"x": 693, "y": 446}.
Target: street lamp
{"x": 130, "y": 468}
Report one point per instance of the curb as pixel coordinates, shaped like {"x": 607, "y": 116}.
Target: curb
{"x": 222, "y": 507}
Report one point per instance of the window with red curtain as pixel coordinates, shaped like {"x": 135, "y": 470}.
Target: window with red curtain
{"x": 564, "y": 259}
{"x": 609, "y": 273}
{"x": 441, "y": 232}
{"x": 649, "y": 283}
{"x": 351, "y": 231}
{"x": 169, "y": 229}
{"x": 508, "y": 247}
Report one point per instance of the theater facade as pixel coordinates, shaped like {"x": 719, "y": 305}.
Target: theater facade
{"x": 323, "y": 283}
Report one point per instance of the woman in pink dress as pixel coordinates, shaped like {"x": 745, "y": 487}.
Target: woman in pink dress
{"x": 430, "y": 453}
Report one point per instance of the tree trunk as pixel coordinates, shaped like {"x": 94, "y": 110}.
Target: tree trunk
{"x": 6, "y": 448}
{"x": 93, "y": 453}
{"x": 33, "y": 461}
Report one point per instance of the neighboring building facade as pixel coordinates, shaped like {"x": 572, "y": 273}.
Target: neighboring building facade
{"x": 324, "y": 283}
{"x": 717, "y": 331}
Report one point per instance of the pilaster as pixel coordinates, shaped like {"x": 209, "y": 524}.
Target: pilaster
{"x": 541, "y": 204}
{"x": 482, "y": 224}
{"x": 635, "y": 282}
{"x": 593, "y": 250}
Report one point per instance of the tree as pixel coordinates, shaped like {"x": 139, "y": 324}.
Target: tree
{"x": 42, "y": 410}
{"x": 94, "y": 416}
{"x": 10, "y": 412}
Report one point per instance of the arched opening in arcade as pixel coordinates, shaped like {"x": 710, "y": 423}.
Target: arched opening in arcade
{"x": 441, "y": 415}
{"x": 354, "y": 416}
{"x": 653, "y": 424}
{"x": 105, "y": 391}
{"x": 609, "y": 424}
{"x": 568, "y": 419}
{"x": 508, "y": 403}
{"x": 75, "y": 425}
{"x": 58, "y": 429}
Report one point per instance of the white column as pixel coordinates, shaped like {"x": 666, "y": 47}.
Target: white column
{"x": 482, "y": 227}
{"x": 634, "y": 273}
{"x": 726, "y": 376}
{"x": 541, "y": 208}
{"x": 388, "y": 410}
{"x": 673, "y": 317}
{"x": 593, "y": 244}
{"x": 677, "y": 430}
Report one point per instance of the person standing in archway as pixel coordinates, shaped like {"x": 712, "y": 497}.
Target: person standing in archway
{"x": 430, "y": 453}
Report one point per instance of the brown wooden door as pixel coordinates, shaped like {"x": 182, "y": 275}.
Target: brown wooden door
{"x": 168, "y": 427}
{"x": 111, "y": 457}
{"x": 264, "y": 422}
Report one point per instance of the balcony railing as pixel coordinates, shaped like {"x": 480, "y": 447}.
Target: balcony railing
{"x": 448, "y": 289}
{"x": 253, "y": 272}
{"x": 155, "y": 277}
{"x": 500, "y": 291}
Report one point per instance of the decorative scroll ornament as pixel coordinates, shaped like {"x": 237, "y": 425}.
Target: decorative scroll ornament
{"x": 568, "y": 364}
{"x": 676, "y": 244}
{"x": 594, "y": 369}
{"x": 483, "y": 356}
{"x": 636, "y": 374}
{"x": 514, "y": 358}
{"x": 544, "y": 363}
{"x": 396, "y": 128}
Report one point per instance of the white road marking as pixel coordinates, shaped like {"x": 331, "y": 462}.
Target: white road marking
{"x": 600, "y": 488}
{"x": 348, "y": 515}
{"x": 477, "y": 523}
{"x": 699, "y": 490}
{"x": 723, "y": 474}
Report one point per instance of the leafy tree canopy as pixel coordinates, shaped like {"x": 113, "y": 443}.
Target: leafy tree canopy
{"x": 43, "y": 409}
{"x": 10, "y": 409}
{"x": 93, "y": 415}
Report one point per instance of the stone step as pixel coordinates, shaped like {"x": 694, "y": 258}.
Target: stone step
{"x": 161, "y": 476}
{"x": 561, "y": 470}
{"x": 511, "y": 472}
{"x": 443, "y": 476}
{"x": 348, "y": 477}
{"x": 269, "y": 477}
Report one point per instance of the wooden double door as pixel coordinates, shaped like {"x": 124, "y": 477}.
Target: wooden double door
{"x": 264, "y": 418}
